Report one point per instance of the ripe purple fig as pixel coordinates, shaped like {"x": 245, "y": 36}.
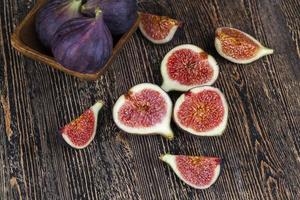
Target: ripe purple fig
{"x": 202, "y": 111}
{"x": 158, "y": 29}
{"x": 199, "y": 172}
{"x": 145, "y": 110}
{"x": 239, "y": 47}
{"x": 119, "y": 15}
{"x": 80, "y": 132}
{"x": 83, "y": 44}
{"x": 187, "y": 66}
{"x": 52, "y": 15}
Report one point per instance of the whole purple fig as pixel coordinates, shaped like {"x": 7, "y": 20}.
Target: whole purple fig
{"x": 52, "y": 15}
{"x": 119, "y": 15}
{"x": 83, "y": 44}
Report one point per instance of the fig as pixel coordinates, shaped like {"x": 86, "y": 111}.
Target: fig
{"x": 187, "y": 66}
{"x": 199, "y": 172}
{"x": 239, "y": 47}
{"x": 158, "y": 29}
{"x": 80, "y": 132}
{"x": 202, "y": 111}
{"x": 83, "y": 44}
{"x": 52, "y": 15}
{"x": 119, "y": 15}
{"x": 145, "y": 109}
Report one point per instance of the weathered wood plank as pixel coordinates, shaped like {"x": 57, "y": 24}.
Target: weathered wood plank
{"x": 260, "y": 147}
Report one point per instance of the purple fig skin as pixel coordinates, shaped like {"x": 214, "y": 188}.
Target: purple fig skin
{"x": 83, "y": 44}
{"x": 119, "y": 15}
{"x": 52, "y": 15}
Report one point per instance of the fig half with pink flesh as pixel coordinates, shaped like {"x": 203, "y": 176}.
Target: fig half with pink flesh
{"x": 187, "y": 66}
{"x": 238, "y": 46}
{"x": 80, "y": 132}
{"x": 199, "y": 172}
{"x": 145, "y": 109}
{"x": 202, "y": 111}
{"x": 158, "y": 29}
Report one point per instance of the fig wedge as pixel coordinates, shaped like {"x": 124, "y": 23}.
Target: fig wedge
{"x": 158, "y": 29}
{"x": 196, "y": 171}
{"x": 239, "y": 47}
{"x": 80, "y": 132}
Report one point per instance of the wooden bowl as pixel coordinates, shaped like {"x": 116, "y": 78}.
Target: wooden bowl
{"x": 25, "y": 40}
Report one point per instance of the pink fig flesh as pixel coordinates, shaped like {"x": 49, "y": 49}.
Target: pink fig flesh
{"x": 143, "y": 109}
{"x": 202, "y": 111}
{"x": 188, "y": 66}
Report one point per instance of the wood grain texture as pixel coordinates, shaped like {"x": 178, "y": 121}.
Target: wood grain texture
{"x": 260, "y": 148}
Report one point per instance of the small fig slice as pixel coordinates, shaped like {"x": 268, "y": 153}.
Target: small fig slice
{"x": 80, "y": 132}
{"x": 239, "y": 47}
{"x": 187, "y": 66}
{"x": 199, "y": 172}
{"x": 158, "y": 29}
{"x": 145, "y": 110}
{"x": 202, "y": 111}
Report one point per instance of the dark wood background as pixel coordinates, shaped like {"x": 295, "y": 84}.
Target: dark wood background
{"x": 260, "y": 147}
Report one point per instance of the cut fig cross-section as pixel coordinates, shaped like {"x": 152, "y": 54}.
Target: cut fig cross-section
{"x": 158, "y": 29}
{"x": 239, "y": 47}
{"x": 145, "y": 109}
{"x": 199, "y": 172}
{"x": 187, "y": 66}
{"x": 80, "y": 132}
{"x": 202, "y": 111}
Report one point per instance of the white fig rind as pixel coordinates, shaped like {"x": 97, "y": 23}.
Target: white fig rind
{"x": 163, "y": 128}
{"x": 263, "y": 51}
{"x": 171, "y": 161}
{"x": 167, "y": 39}
{"x": 95, "y": 109}
{"x": 217, "y": 131}
{"x": 169, "y": 84}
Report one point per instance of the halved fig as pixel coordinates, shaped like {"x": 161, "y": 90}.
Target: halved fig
{"x": 80, "y": 132}
{"x": 158, "y": 29}
{"x": 239, "y": 47}
{"x": 197, "y": 171}
{"x": 145, "y": 109}
{"x": 187, "y": 66}
{"x": 202, "y": 111}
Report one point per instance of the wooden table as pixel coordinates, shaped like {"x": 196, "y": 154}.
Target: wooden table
{"x": 260, "y": 147}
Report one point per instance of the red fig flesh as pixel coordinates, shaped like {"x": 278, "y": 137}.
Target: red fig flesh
{"x": 187, "y": 66}
{"x": 202, "y": 111}
{"x": 158, "y": 29}
{"x": 80, "y": 132}
{"x": 197, "y": 171}
{"x": 239, "y": 47}
{"x": 145, "y": 109}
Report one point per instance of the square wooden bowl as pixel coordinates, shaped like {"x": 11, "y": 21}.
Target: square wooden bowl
{"x": 25, "y": 40}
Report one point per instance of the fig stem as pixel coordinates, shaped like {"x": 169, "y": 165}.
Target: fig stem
{"x": 267, "y": 51}
{"x": 165, "y": 87}
{"x": 98, "y": 12}
{"x": 169, "y": 135}
{"x": 161, "y": 157}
